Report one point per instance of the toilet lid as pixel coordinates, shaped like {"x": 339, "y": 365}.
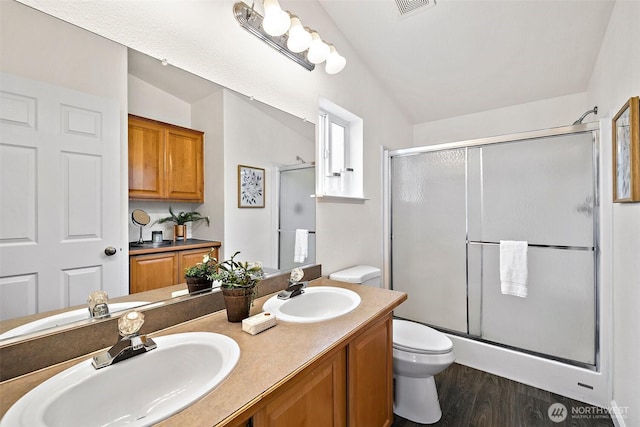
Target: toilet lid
{"x": 418, "y": 338}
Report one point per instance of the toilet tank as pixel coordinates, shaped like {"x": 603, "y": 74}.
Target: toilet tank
{"x": 361, "y": 274}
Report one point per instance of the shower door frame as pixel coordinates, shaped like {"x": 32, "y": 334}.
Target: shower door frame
{"x": 277, "y": 226}
{"x": 594, "y": 129}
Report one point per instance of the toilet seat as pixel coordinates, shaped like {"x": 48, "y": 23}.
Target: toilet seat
{"x": 418, "y": 338}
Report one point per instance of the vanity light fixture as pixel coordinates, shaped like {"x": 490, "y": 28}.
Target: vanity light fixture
{"x": 285, "y": 33}
{"x": 335, "y": 61}
{"x": 298, "y": 37}
{"x": 276, "y": 21}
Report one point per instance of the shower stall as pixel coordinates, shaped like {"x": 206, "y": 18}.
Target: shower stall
{"x": 296, "y": 210}
{"x": 450, "y": 205}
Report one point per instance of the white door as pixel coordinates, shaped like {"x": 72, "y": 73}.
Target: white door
{"x": 59, "y": 196}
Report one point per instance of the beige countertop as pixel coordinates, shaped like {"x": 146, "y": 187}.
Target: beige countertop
{"x": 266, "y": 359}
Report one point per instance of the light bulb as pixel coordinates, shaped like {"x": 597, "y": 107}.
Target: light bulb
{"x": 318, "y": 50}
{"x": 335, "y": 61}
{"x": 271, "y": 6}
{"x": 276, "y": 21}
{"x": 299, "y": 38}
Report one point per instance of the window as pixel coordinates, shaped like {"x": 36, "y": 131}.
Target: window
{"x": 336, "y": 144}
{"x": 339, "y": 170}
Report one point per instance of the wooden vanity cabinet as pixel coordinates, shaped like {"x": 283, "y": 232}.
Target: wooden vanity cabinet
{"x": 371, "y": 376}
{"x": 318, "y": 398}
{"x": 153, "y": 271}
{"x": 351, "y": 387}
{"x": 166, "y": 162}
{"x": 147, "y": 272}
{"x": 189, "y": 258}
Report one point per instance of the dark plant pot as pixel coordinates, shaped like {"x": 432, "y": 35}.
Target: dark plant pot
{"x": 238, "y": 303}
{"x": 198, "y": 284}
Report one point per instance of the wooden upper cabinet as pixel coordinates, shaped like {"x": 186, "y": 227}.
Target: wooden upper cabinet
{"x": 185, "y": 175}
{"x": 166, "y": 162}
{"x": 146, "y": 159}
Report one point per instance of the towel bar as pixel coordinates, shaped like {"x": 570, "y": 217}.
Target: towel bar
{"x": 571, "y": 248}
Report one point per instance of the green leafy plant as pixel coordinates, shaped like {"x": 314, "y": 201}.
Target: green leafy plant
{"x": 182, "y": 218}
{"x": 207, "y": 267}
{"x": 234, "y": 274}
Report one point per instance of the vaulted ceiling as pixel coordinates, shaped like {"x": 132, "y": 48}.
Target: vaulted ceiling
{"x": 465, "y": 56}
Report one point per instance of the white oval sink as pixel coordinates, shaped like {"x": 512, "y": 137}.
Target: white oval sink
{"x": 316, "y": 304}
{"x": 65, "y": 318}
{"x": 139, "y": 391}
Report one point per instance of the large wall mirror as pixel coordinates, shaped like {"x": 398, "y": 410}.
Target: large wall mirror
{"x": 99, "y": 83}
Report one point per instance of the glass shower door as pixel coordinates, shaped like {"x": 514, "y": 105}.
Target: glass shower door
{"x": 541, "y": 191}
{"x": 297, "y": 210}
{"x": 428, "y": 228}
{"x": 450, "y": 208}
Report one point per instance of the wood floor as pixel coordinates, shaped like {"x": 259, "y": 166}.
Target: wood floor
{"x": 469, "y": 397}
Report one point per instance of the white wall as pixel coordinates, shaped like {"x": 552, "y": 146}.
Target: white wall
{"x": 561, "y": 111}
{"x": 148, "y": 101}
{"x": 613, "y": 82}
{"x": 205, "y": 39}
{"x": 252, "y": 137}
{"x": 54, "y": 52}
{"x": 207, "y": 115}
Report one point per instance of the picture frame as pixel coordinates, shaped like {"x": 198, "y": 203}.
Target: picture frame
{"x": 251, "y": 187}
{"x": 626, "y": 152}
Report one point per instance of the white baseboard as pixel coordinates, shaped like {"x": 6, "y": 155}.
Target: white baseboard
{"x": 617, "y": 415}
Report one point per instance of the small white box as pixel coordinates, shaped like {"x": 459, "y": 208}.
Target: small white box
{"x": 258, "y": 323}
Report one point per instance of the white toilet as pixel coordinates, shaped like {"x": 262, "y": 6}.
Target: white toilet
{"x": 419, "y": 353}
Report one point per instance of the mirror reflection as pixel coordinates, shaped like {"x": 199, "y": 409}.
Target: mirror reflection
{"x": 99, "y": 84}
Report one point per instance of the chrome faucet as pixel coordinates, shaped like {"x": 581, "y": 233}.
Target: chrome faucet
{"x": 131, "y": 344}
{"x": 97, "y": 302}
{"x": 294, "y": 289}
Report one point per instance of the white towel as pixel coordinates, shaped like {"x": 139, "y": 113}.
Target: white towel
{"x": 513, "y": 268}
{"x": 301, "y": 248}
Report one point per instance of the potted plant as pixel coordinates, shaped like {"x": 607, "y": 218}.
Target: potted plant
{"x": 180, "y": 222}
{"x": 238, "y": 282}
{"x": 197, "y": 276}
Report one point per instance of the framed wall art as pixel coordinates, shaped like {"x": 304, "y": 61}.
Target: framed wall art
{"x": 626, "y": 153}
{"x": 250, "y": 187}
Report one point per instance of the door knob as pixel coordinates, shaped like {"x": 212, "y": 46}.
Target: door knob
{"x": 110, "y": 250}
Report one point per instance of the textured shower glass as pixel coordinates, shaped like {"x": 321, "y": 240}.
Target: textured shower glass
{"x": 539, "y": 190}
{"x": 297, "y": 210}
{"x": 557, "y": 318}
{"x": 428, "y": 245}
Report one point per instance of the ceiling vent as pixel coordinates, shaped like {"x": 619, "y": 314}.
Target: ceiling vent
{"x": 408, "y": 6}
